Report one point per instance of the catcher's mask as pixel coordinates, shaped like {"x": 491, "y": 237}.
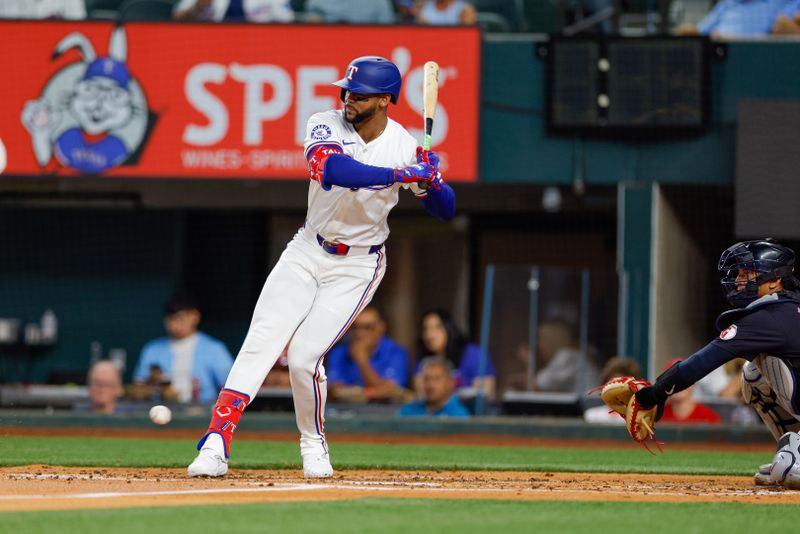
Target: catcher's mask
{"x": 765, "y": 258}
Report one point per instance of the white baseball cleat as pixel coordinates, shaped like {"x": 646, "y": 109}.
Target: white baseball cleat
{"x": 763, "y": 476}
{"x": 317, "y": 466}
{"x": 785, "y": 469}
{"x": 211, "y": 461}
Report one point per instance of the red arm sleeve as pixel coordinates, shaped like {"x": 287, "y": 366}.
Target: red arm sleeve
{"x": 317, "y": 156}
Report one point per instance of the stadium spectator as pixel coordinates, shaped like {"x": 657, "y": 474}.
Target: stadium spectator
{"x": 193, "y": 363}
{"x": 440, "y": 336}
{"x": 682, "y": 408}
{"x": 723, "y": 382}
{"x": 406, "y": 11}
{"x": 615, "y": 367}
{"x": 278, "y": 376}
{"x": 43, "y": 9}
{"x": 563, "y": 368}
{"x": 105, "y": 386}
{"x": 350, "y": 11}
{"x": 367, "y": 366}
{"x": 234, "y": 10}
{"x": 446, "y": 12}
{"x": 736, "y": 18}
{"x": 438, "y": 388}
{"x": 788, "y": 21}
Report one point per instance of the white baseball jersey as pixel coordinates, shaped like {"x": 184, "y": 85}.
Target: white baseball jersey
{"x": 356, "y": 217}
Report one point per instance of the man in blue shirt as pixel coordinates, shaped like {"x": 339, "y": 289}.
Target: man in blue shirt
{"x": 737, "y": 18}
{"x": 368, "y": 365}
{"x": 195, "y": 364}
{"x": 437, "y": 386}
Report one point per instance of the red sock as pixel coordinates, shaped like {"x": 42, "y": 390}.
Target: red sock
{"x": 227, "y": 412}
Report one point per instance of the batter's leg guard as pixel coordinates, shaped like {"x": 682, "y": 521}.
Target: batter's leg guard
{"x": 758, "y": 393}
{"x": 225, "y": 419}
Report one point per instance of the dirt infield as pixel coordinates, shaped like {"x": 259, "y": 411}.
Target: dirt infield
{"x": 64, "y": 488}
{"x": 57, "y": 488}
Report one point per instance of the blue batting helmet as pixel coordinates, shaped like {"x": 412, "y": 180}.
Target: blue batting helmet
{"x": 371, "y": 75}
{"x": 765, "y": 259}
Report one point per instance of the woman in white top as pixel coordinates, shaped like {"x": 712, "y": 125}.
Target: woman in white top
{"x": 446, "y": 13}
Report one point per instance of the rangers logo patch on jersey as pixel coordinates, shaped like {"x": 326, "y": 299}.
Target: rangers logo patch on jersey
{"x": 728, "y": 333}
{"x": 320, "y": 132}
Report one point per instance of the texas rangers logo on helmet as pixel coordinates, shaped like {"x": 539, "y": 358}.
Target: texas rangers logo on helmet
{"x": 728, "y": 333}
{"x": 320, "y": 132}
{"x": 351, "y": 70}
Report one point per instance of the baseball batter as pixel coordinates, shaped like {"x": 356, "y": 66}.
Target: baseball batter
{"x": 358, "y": 160}
{"x": 763, "y": 328}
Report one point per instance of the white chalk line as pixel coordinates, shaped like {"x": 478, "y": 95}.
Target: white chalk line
{"x": 275, "y": 488}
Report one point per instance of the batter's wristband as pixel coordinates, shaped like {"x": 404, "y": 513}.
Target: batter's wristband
{"x": 646, "y": 397}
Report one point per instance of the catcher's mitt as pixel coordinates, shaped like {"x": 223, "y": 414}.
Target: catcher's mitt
{"x": 619, "y": 395}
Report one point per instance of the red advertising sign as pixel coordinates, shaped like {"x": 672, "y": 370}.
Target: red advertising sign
{"x": 216, "y": 101}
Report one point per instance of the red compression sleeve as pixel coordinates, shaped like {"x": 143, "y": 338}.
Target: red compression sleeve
{"x": 225, "y": 419}
{"x": 317, "y": 158}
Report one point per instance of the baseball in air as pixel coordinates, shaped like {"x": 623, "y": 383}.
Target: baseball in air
{"x": 160, "y": 415}
{"x": 3, "y": 157}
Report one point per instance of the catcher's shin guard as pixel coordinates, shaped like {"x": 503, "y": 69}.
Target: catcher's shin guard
{"x": 225, "y": 419}
{"x": 773, "y": 405}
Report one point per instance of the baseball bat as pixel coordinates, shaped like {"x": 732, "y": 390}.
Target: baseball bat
{"x": 430, "y": 95}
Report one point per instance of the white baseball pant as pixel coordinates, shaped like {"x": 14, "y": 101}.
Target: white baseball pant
{"x": 311, "y": 297}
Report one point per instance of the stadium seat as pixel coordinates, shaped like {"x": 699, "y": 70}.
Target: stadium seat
{"x": 641, "y": 17}
{"x": 492, "y": 22}
{"x": 542, "y": 16}
{"x": 688, "y": 11}
{"x": 146, "y": 10}
{"x": 102, "y": 9}
{"x": 494, "y": 14}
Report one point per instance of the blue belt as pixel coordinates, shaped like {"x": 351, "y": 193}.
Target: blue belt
{"x": 340, "y": 249}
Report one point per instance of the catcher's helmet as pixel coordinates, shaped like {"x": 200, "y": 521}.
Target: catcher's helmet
{"x": 369, "y": 75}
{"x": 767, "y": 259}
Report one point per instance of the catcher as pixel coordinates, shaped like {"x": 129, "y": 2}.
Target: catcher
{"x": 764, "y": 329}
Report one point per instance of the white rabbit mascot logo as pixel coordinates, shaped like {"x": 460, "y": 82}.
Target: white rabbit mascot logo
{"x": 92, "y": 115}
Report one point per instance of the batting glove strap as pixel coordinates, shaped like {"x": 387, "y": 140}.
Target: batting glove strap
{"x": 436, "y": 182}
{"x": 428, "y": 156}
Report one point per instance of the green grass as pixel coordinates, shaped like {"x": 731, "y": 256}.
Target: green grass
{"x": 412, "y": 515}
{"x": 123, "y": 452}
